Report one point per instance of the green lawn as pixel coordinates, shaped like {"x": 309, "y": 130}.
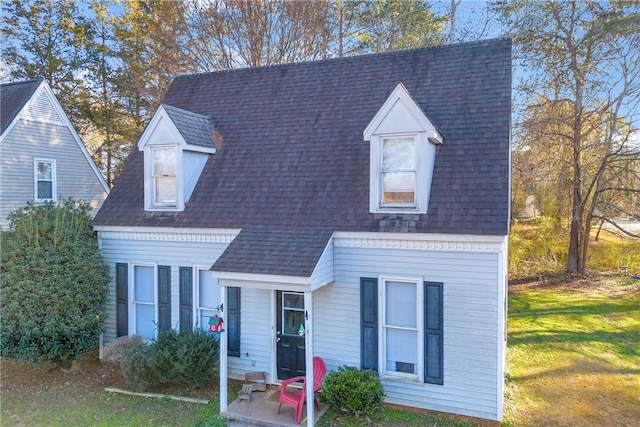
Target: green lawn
{"x": 574, "y": 353}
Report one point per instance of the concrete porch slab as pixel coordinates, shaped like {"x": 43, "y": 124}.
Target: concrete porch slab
{"x": 263, "y": 411}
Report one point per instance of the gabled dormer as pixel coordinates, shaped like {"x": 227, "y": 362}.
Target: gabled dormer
{"x": 403, "y": 150}
{"x": 176, "y": 145}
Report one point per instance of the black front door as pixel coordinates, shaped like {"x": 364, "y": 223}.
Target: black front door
{"x": 290, "y": 334}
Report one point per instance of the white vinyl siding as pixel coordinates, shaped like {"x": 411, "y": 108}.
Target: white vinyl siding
{"x": 471, "y": 335}
{"x": 41, "y": 109}
{"x": 193, "y": 166}
{"x": 256, "y": 335}
{"x": 323, "y": 273}
{"x": 75, "y": 177}
{"x": 140, "y": 250}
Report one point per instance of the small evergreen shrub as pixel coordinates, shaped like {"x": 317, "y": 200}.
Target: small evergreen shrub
{"x": 54, "y": 284}
{"x": 131, "y": 355}
{"x": 353, "y": 390}
{"x": 188, "y": 358}
{"x": 185, "y": 358}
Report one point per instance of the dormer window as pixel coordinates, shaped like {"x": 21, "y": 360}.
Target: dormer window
{"x": 398, "y": 172}
{"x": 176, "y": 144}
{"x": 403, "y": 149}
{"x": 164, "y": 177}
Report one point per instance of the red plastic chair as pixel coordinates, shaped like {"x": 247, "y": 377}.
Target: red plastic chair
{"x": 297, "y": 399}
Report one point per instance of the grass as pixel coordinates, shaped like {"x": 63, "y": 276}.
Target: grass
{"x": 49, "y": 396}
{"x": 574, "y": 353}
{"x": 573, "y": 358}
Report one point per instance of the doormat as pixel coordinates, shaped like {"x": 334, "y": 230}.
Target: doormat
{"x": 274, "y": 397}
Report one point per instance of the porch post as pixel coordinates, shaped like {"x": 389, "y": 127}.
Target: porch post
{"x": 308, "y": 342}
{"x": 223, "y": 351}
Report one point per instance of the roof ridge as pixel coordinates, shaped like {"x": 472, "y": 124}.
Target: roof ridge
{"x": 345, "y": 58}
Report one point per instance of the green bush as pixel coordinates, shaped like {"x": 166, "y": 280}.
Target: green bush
{"x": 188, "y": 358}
{"x": 185, "y": 358}
{"x": 132, "y": 357}
{"x": 353, "y": 390}
{"x": 53, "y": 282}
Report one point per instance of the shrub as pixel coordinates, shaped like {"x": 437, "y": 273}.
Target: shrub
{"x": 53, "y": 282}
{"x": 187, "y": 358}
{"x": 537, "y": 247}
{"x": 131, "y": 355}
{"x": 348, "y": 388}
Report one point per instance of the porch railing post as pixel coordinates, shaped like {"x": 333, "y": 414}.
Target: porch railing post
{"x": 308, "y": 341}
{"x": 223, "y": 352}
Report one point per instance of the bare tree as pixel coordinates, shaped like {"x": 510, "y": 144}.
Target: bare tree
{"x": 228, "y": 34}
{"x": 582, "y": 97}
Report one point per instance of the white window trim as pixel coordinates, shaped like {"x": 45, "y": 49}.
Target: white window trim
{"x": 197, "y": 307}
{"x": 376, "y": 196}
{"x": 382, "y": 354}
{"x": 54, "y": 180}
{"x": 396, "y": 206}
{"x": 150, "y": 202}
{"x": 133, "y": 304}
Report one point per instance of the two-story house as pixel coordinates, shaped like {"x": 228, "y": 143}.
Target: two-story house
{"x": 355, "y": 209}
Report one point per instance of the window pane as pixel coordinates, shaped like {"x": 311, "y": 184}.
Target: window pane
{"x": 292, "y": 321}
{"x": 203, "y": 318}
{"x": 145, "y": 318}
{"x": 143, "y": 284}
{"x": 399, "y": 187}
{"x": 164, "y": 162}
{"x": 44, "y": 171}
{"x": 208, "y": 290}
{"x": 400, "y": 304}
{"x": 166, "y": 189}
{"x": 402, "y": 351}
{"x": 398, "y": 154}
{"x": 45, "y": 190}
{"x": 293, "y": 301}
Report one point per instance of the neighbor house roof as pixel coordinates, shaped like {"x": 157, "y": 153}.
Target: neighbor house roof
{"x": 13, "y": 97}
{"x": 294, "y": 158}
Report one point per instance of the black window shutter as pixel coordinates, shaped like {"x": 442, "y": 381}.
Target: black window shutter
{"x": 233, "y": 321}
{"x": 164, "y": 297}
{"x": 122, "y": 300}
{"x": 433, "y": 344}
{"x": 186, "y": 299}
{"x": 369, "y": 323}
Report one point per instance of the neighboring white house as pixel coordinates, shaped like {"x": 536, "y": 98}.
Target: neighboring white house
{"x": 355, "y": 209}
{"x": 41, "y": 156}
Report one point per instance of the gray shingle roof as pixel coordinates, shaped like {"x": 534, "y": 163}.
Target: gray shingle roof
{"x": 196, "y": 129}
{"x": 294, "y": 157}
{"x": 13, "y": 97}
{"x": 263, "y": 249}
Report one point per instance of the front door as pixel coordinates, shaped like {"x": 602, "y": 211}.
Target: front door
{"x": 290, "y": 334}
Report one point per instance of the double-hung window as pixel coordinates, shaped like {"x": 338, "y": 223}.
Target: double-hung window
{"x": 144, "y": 302}
{"x": 398, "y": 172}
{"x": 164, "y": 177}
{"x": 401, "y": 328}
{"x": 207, "y": 298}
{"x": 45, "y": 180}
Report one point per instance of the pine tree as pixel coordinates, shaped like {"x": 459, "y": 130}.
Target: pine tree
{"x": 49, "y": 38}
